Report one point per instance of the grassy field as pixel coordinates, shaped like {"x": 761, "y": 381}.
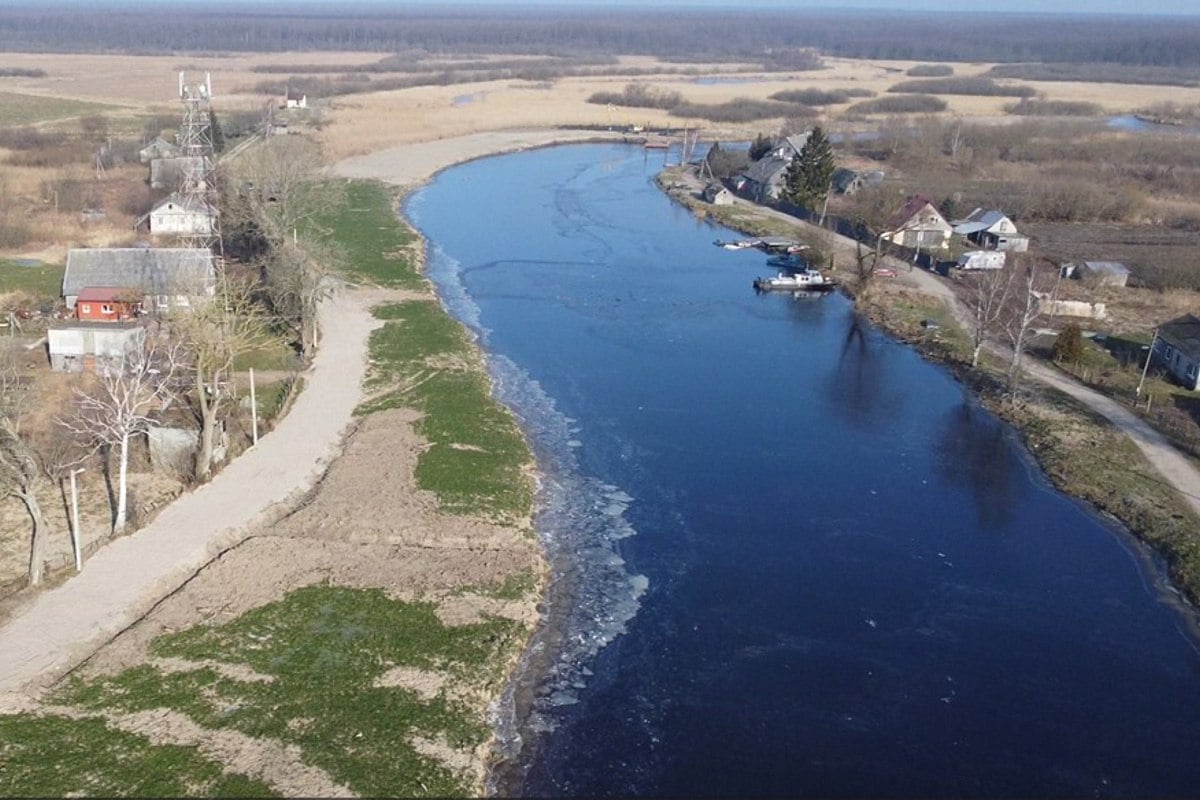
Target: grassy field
{"x": 43, "y": 281}
{"x": 26, "y": 109}
{"x": 477, "y": 459}
{"x": 356, "y": 728}
{"x": 56, "y": 756}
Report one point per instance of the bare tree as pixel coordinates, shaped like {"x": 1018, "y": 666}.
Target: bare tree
{"x": 278, "y": 188}
{"x": 300, "y": 275}
{"x": 989, "y": 291}
{"x": 1027, "y": 311}
{"x": 19, "y": 467}
{"x": 211, "y": 337}
{"x": 117, "y": 407}
{"x": 865, "y": 264}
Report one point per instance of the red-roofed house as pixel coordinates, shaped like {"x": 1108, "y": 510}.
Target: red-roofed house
{"x": 920, "y": 226}
{"x": 107, "y": 304}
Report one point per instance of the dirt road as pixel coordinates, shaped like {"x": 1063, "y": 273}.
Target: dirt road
{"x": 1175, "y": 468}
{"x": 121, "y": 582}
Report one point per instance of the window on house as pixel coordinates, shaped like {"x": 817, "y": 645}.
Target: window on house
{"x": 163, "y": 301}
{"x": 85, "y": 308}
{"x": 106, "y": 309}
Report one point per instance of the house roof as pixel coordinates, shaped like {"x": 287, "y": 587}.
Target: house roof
{"x": 109, "y": 294}
{"x": 844, "y": 178}
{"x": 912, "y": 207}
{"x": 295, "y": 94}
{"x": 980, "y": 219}
{"x": 1183, "y": 333}
{"x": 1106, "y": 267}
{"x": 766, "y": 169}
{"x": 176, "y": 270}
{"x": 187, "y": 204}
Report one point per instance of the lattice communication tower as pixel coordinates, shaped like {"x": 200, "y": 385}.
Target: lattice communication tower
{"x": 198, "y": 190}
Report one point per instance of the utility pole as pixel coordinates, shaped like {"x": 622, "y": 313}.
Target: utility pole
{"x": 75, "y": 537}
{"x": 1146, "y": 367}
{"x": 253, "y": 408}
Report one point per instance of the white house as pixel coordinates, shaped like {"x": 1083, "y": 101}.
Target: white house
{"x": 919, "y": 225}
{"x": 183, "y": 215}
{"x": 295, "y": 99}
{"x": 78, "y": 346}
{"x": 991, "y": 230}
{"x": 718, "y": 195}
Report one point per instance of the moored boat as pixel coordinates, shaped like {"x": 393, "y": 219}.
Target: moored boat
{"x": 809, "y": 280}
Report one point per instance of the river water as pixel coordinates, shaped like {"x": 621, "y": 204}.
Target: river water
{"x": 790, "y": 557}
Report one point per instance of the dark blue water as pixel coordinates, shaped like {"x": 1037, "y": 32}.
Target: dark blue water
{"x": 792, "y": 558}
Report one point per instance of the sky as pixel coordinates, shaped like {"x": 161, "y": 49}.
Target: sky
{"x": 1188, "y": 7}
{"x": 1156, "y": 7}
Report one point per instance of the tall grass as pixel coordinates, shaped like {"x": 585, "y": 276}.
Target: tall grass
{"x": 985, "y": 87}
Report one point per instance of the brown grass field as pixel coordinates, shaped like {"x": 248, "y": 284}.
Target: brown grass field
{"x": 364, "y": 122}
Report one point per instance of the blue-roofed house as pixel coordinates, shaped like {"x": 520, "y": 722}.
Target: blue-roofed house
{"x": 991, "y": 230}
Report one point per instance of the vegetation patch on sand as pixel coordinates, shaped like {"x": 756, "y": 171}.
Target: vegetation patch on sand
{"x": 476, "y": 461}
{"x": 60, "y": 756}
{"x": 326, "y": 650}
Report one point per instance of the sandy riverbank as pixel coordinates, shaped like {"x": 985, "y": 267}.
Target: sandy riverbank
{"x": 364, "y": 526}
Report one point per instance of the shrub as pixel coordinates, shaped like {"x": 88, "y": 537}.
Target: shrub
{"x": 21, "y": 72}
{"x": 1029, "y": 107}
{"x": 14, "y": 232}
{"x": 1068, "y": 345}
{"x": 930, "y": 71}
{"x": 742, "y": 109}
{"x": 638, "y": 95}
{"x": 27, "y": 138}
{"x": 907, "y": 104}
{"x": 973, "y": 86}
{"x": 812, "y": 97}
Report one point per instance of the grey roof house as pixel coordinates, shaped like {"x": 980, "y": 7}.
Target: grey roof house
{"x": 1177, "y": 349}
{"x": 170, "y": 278}
{"x": 1101, "y": 273}
{"x": 765, "y": 178}
{"x": 991, "y": 230}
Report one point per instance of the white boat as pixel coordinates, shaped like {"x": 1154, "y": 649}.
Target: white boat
{"x": 808, "y": 280}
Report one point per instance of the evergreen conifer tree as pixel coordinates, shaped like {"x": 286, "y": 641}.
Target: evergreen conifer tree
{"x": 808, "y": 176}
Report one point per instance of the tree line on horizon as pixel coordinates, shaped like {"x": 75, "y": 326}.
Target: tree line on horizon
{"x": 767, "y": 37}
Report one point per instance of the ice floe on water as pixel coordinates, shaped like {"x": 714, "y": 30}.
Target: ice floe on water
{"x": 592, "y": 595}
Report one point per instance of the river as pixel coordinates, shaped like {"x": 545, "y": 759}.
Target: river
{"x": 790, "y": 556}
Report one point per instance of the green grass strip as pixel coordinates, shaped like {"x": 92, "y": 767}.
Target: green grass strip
{"x": 55, "y": 756}
{"x": 43, "y": 281}
{"x": 324, "y": 648}
{"x": 378, "y": 247}
{"x": 25, "y": 109}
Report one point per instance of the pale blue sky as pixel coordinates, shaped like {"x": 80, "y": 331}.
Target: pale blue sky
{"x": 1043, "y": 6}
{"x": 1183, "y": 7}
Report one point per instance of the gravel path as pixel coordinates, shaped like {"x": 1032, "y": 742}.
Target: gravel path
{"x": 1172, "y": 465}
{"x": 125, "y": 579}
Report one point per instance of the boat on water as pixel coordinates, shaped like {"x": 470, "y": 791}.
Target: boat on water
{"x": 807, "y": 280}
{"x": 742, "y": 244}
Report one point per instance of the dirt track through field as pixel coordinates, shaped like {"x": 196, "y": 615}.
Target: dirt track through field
{"x": 124, "y": 580}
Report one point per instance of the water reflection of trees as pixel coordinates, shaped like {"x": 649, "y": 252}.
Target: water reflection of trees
{"x": 860, "y": 387}
{"x": 974, "y": 452}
